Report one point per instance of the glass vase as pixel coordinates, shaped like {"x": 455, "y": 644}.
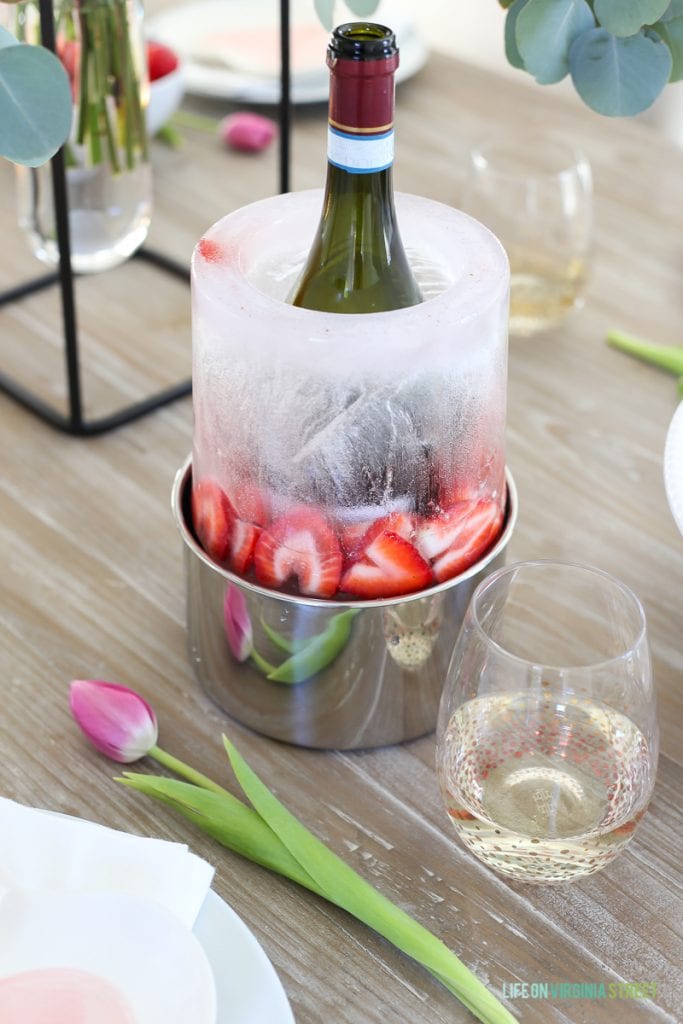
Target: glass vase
{"x": 108, "y": 175}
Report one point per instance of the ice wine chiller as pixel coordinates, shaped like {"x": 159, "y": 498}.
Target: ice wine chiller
{"x": 359, "y": 416}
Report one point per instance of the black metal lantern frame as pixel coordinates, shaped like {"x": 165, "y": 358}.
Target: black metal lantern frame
{"x": 74, "y": 421}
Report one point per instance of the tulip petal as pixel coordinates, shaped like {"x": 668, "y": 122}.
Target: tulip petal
{"x": 116, "y": 720}
{"x": 238, "y": 628}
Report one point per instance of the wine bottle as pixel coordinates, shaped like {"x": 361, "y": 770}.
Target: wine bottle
{"x": 357, "y": 263}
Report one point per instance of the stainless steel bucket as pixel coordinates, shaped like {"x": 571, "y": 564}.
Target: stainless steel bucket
{"x": 345, "y": 674}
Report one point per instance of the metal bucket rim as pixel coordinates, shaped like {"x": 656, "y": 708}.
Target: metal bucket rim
{"x": 180, "y": 484}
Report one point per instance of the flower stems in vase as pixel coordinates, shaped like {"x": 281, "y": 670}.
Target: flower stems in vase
{"x": 100, "y": 43}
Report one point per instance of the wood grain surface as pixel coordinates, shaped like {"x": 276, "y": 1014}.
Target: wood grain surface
{"x": 92, "y": 575}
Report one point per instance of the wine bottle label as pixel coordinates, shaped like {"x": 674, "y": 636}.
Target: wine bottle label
{"x": 360, "y": 152}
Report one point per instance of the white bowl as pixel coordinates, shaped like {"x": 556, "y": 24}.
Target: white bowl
{"x": 165, "y": 96}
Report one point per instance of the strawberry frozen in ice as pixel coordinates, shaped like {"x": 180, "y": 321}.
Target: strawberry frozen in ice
{"x": 376, "y": 440}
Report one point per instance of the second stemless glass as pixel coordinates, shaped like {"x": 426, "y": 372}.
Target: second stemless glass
{"x": 547, "y": 737}
{"x": 535, "y": 193}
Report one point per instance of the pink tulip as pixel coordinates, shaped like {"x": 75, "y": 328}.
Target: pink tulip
{"x": 237, "y": 623}
{"x": 248, "y": 132}
{"x": 115, "y": 719}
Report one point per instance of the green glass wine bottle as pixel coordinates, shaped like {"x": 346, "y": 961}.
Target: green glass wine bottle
{"x": 357, "y": 263}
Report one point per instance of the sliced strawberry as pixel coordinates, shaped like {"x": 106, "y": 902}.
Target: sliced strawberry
{"x": 454, "y": 540}
{"x": 390, "y": 566}
{"x": 213, "y": 517}
{"x": 243, "y": 544}
{"x": 300, "y": 544}
{"x": 161, "y": 60}
{"x": 350, "y": 537}
{"x": 250, "y": 504}
{"x": 436, "y": 534}
{"x": 356, "y": 538}
{"x": 402, "y": 523}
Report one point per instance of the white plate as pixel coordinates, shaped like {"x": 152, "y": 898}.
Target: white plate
{"x": 110, "y": 952}
{"x": 237, "y": 56}
{"x": 673, "y": 467}
{"x": 248, "y": 991}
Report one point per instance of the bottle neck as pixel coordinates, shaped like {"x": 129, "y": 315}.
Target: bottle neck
{"x": 360, "y": 135}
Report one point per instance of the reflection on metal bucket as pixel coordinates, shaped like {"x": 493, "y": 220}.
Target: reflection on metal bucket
{"x": 318, "y": 673}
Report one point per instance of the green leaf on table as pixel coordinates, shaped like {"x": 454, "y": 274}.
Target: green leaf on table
{"x": 626, "y": 17}
{"x": 512, "y": 53}
{"x": 674, "y": 10}
{"x": 325, "y": 11}
{"x": 545, "y": 31}
{"x": 666, "y": 357}
{"x": 226, "y": 819}
{"x": 619, "y": 77}
{"x": 343, "y": 886}
{"x": 35, "y": 103}
{"x": 672, "y": 34}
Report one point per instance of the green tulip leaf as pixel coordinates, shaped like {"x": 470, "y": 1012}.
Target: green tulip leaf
{"x": 619, "y": 77}
{"x": 545, "y": 31}
{"x": 672, "y": 34}
{"x": 325, "y": 11}
{"x": 511, "y": 50}
{"x": 35, "y": 103}
{"x": 626, "y": 17}
{"x": 674, "y": 10}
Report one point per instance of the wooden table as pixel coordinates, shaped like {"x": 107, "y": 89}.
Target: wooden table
{"x": 93, "y": 579}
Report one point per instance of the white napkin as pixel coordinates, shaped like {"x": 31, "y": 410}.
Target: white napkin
{"x": 43, "y": 850}
{"x": 673, "y": 466}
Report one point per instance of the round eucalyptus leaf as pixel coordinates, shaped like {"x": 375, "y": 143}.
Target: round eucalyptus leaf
{"x": 6, "y": 38}
{"x": 674, "y": 10}
{"x": 619, "y": 77}
{"x": 35, "y": 104}
{"x": 672, "y": 34}
{"x": 362, "y": 8}
{"x": 626, "y": 17}
{"x": 325, "y": 11}
{"x": 545, "y": 31}
{"x": 511, "y": 51}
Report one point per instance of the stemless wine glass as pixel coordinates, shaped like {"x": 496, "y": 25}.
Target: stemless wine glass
{"x": 535, "y": 193}
{"x": 547, "y": 736}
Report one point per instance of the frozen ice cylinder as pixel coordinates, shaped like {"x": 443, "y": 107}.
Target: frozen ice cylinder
{"x": 356, "y": 415}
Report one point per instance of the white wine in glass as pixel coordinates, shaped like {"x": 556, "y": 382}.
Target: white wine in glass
{"x": 547, "y": 737}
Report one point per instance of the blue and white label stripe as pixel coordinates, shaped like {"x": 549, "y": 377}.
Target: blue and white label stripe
{"x": 360, "y": 154}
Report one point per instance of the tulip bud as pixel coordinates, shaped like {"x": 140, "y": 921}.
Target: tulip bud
{"x": 248, "y": 132}
{"x": 238, "y": 628}
{"x": 116, "y": 720}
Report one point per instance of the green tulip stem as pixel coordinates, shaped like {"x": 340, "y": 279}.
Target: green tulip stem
{"x": 185, "y": 771}
{"x": 200, "y": 122}
{"x": 666, "y": 357}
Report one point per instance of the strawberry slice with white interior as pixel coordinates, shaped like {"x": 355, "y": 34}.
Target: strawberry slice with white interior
{"x": 454, "y": 540}
{"x": 354, "y": 540}
{"x": 213, "y": 517}
{"x": 390, "y": 566}
{"x": 243, "y": 544}
{"x": 299, "y": 545}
